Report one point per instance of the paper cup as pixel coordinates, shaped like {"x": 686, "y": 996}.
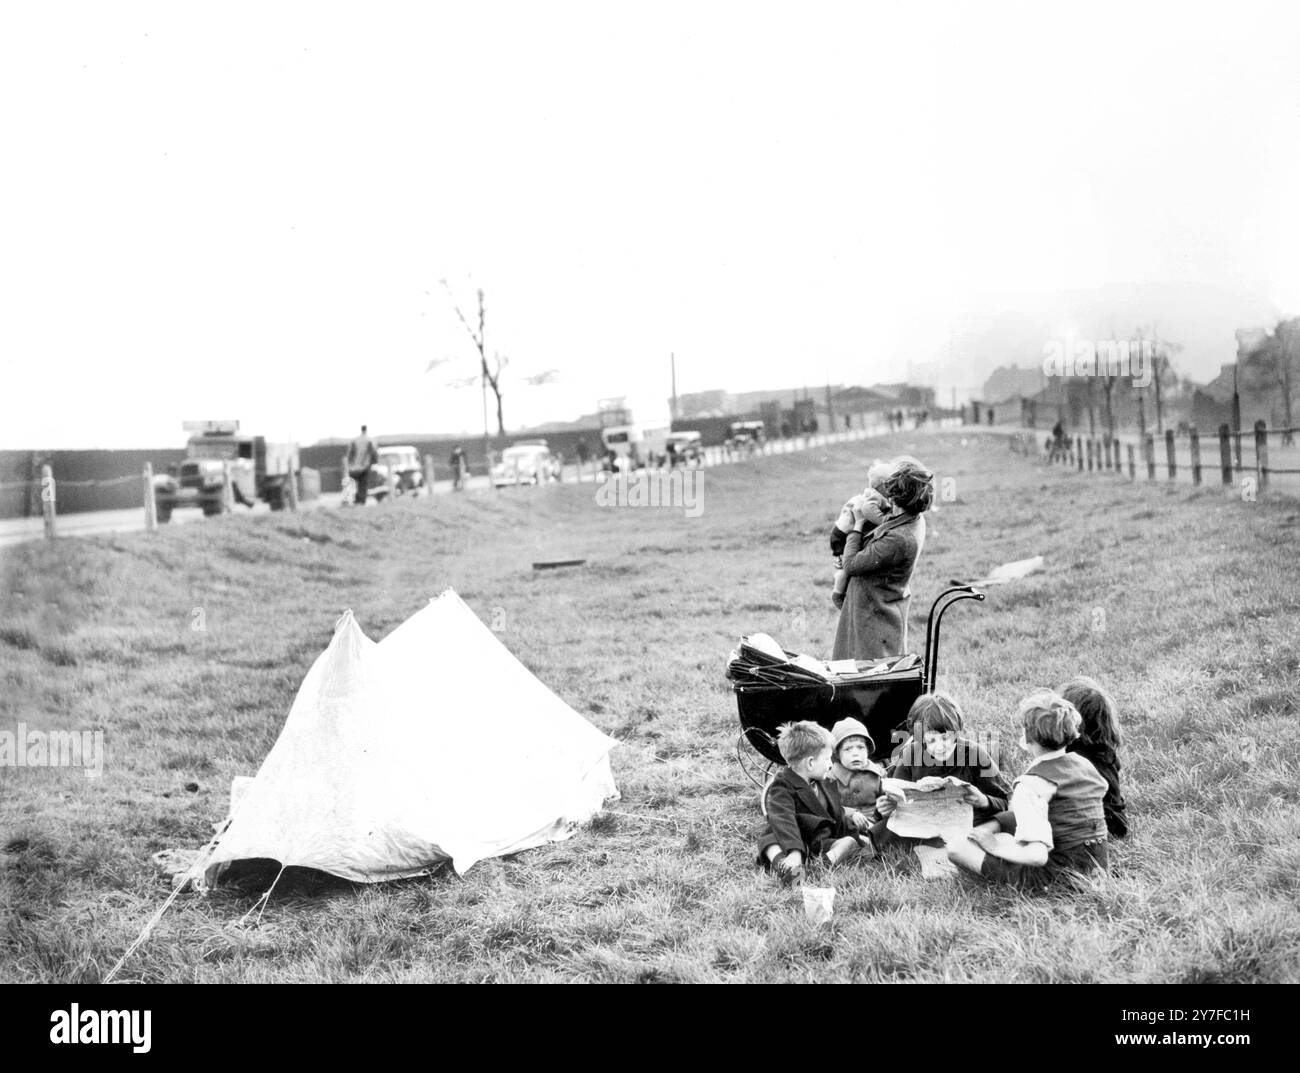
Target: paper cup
{"x": 818, "y": 904}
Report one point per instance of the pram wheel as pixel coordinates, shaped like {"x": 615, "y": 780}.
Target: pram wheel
{"x": 757, "y": 767}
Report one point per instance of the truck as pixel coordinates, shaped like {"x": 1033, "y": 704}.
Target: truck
{"x": 637, "y": 434}
{"x": 258, "y": 470}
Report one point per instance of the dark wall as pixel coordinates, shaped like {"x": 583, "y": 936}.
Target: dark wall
{"x": 84, "y": 480}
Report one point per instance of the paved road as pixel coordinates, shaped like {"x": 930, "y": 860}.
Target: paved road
{"x": 18, "y": 530}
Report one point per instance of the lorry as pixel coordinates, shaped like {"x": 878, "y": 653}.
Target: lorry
{"x": 636, "y": 435}
{"x": 258, "y": 470}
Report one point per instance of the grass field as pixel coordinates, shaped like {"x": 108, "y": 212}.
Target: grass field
{"x": 1184, "y": 602}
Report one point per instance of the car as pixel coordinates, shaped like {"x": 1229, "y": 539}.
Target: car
{"x": 528, "y": 462}
{"x": 687, "y": 448}
{"x": 400, "y": 470}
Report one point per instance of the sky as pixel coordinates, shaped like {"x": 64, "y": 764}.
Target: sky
{"x": 245, "y": 210}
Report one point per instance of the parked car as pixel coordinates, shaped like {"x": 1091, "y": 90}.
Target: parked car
{"x": 401, "y": 470}
{"x": 687, "y": 447}
{"x": 526, "y": 462}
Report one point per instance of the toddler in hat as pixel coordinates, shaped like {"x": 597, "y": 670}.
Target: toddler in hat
{"x": 878, "y": 506}
{"x": 855, "y": 774}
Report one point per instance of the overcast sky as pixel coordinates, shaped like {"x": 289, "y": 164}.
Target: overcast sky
{"x": 244, "y": 210}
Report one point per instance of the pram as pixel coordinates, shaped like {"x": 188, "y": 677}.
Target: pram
{"x": 770, "y": 692}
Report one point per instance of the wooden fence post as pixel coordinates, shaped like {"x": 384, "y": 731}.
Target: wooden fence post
{"x": 227, "y": 489}
{"x": 1195, "y": 443}
{"x": 48, "y": 492}
{"x": 1089, "y": 443}
{"x": 1169, "y": 452}
{"x": 1119, "y": 458}
{"x": 1132, "y": 462}
{"x": 343, "y": 477}
{"x": 150, "y": 504}
{"x": 428, "y": 474}
{"x": 293, "y": 489}
{"x": 1225, "y": 453}
{"x": 1078, "y": 451}
{"x": 1261, "y": 454}
{"x": 1149, "y": 454}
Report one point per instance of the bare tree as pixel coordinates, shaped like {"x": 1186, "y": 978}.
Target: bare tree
{"x": 491, "y": 376}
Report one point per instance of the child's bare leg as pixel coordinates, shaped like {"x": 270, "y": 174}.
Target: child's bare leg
{"x": 965, "y": 854}
{"x": 842, "y": 848}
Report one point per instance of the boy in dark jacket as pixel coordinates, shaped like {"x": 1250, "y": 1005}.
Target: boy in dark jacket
{"x": 805, "y": 817}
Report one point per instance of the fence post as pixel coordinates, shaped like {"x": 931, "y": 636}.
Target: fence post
{"x": 428, "y": 474}
{"x": 1089, "y": 442}
{"x": 293, "y": 490}
{"x": 1261, "y": 454}
{"x": 343, "y": 477}
{"x": 227, "y": 489}
{"x": 150, "y": 504}
{"x": 1078, "y": 451}
{"x": 1149, "y": 454}
{"x": 1119, "y": 458}
{"x": 48, "y": 491}
{"x": 1225, "y": 454}
{"x": 1132, "y": 462}
{"x": 1169, "y": 453}
{"x": 1195, "y": 441}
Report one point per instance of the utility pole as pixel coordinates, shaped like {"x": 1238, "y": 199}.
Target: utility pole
{"x": 672, "y": 358}
{"x": 482, "y": 357}
{"x": 830, "y": 412}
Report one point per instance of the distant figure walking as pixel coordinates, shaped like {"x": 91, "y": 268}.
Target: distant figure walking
{"x": 459, "y": 468}
{"x": 583, "y": 452}
{"x": 362, "y": 454}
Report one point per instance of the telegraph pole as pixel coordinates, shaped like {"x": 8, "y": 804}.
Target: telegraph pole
{"x": 672, "y": 358}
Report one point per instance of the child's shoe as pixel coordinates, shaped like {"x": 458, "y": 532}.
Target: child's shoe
{"x": 790, "y": 875}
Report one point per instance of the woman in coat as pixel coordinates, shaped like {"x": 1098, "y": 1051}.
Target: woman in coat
{"x": 873, "y": 620}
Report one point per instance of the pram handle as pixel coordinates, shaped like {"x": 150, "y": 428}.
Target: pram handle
{"x": 932, "y": 624}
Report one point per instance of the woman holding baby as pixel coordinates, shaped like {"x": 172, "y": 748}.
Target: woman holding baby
{"x": 879, "y": 559}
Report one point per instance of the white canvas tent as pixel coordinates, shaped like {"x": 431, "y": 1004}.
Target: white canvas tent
{"x": 434, "y": 744}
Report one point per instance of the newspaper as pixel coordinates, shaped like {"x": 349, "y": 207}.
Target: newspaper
{"x": 942, "y": 813}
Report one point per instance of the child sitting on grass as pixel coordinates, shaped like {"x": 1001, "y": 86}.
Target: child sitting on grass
{"x": 1056, "y": 826}
{"x": 855, "y": 774}
{"x": 938, "y": 753}
{"x": 805, "y": 818}
{"x": 877, "y": 507}
{"x": 1099, "y": 742}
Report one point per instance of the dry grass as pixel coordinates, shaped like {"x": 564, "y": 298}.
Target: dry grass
{"x": 1196, "y": 592}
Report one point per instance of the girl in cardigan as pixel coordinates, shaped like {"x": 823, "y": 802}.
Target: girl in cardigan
{"x": 939, "y": 751}
{"x": 1099, "y": 741}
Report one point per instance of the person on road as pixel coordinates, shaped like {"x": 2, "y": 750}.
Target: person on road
{"x": 362, "y": 454}
{"x": 458, "y": 468}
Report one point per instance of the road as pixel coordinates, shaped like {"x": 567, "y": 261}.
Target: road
{"x": 19, "y": 530}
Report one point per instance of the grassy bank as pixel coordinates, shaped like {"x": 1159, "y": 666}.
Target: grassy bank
{"x": 1184, "y": 602}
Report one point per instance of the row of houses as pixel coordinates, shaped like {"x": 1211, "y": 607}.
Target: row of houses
{"x": 1260, "y": 381}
